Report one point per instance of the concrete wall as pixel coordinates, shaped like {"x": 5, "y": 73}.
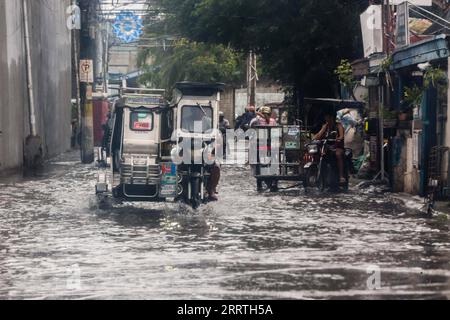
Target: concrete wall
{"x": 264, "y": 94}
{"x": 12, "y": 88}
{"x": 51, "y": 62}
{"x": 227, "y": 104}
{"x": 122, "y": 60}
{"x": 234, "y": 101}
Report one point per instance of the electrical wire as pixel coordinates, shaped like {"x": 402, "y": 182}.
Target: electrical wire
{"x": 430, "y": 13}
{"x": 423, "y": 15}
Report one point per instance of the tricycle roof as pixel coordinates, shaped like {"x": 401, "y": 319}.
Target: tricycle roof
{"x": 199, "y": 89}
{"x": 143, "y": 100}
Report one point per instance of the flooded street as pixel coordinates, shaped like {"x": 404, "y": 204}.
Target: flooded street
{"x": 56, "y": 244}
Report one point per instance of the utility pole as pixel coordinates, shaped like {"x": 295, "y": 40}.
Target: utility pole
{"x": 252, "y": 78}
{"x": 105, "y": 58}
{"x": 388, "y": 32}
{"x": 76, "y": 66}
{"x": 87, "y": 55}
{"x": 87, "y": 129}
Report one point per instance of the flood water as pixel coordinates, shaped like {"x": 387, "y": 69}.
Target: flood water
{"x": 56, "y": 244}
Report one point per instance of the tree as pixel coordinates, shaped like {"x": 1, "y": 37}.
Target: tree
{"x": 300, "y": 41}
{"x": 191, "y": 61}
{"x": 183, "y": 59}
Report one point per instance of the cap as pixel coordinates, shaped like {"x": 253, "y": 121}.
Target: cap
{"x": 266, "y": 110}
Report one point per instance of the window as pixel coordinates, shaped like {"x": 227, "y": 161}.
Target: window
{"x": 166, "y": 124}
{"x": 196, "y": 118}
{"x": 141, "y": 121}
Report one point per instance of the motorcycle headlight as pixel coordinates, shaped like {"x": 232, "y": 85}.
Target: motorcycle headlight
{"x": 313, "y": 149}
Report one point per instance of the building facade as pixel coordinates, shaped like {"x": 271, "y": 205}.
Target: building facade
{"x": 51, "y": 68}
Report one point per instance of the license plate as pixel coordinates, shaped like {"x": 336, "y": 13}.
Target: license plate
{"x": 168, "y": 191}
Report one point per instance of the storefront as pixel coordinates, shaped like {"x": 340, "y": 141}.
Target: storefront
{"x": 420, "y": 96}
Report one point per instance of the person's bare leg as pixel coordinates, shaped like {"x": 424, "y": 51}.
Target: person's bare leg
{"x": 214, "y": 182}
{"x": 218, "y": 175}
{"x": 340, "y": 163}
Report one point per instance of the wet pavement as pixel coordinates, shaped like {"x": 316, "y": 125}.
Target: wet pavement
{"x": 56, "y": 244}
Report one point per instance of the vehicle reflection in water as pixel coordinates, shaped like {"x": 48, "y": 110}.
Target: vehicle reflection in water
{"x": 55, "y": 243}
{"x": 174, "y": 218}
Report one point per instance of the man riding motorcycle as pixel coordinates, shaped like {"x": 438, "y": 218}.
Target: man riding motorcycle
{"x": 332, "y": 125}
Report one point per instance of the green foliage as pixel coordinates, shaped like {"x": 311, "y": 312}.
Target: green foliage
{"x": 345, "y": 74}
{"x": 434, "y": 77}
{"x": 300, "y": 42}
{"x": 413, "y": 96}
{"x": 190, "y": 61}
{"x": 389, "y": 114}
{"x": 386, "y": 64}
{"x": 385, "y": 68}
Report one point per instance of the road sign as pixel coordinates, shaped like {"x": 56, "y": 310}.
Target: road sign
{"x": 86, "y": 71}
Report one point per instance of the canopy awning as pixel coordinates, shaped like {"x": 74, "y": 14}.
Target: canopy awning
{"x": 338, "y": 104}
{"x": 421, "y": 52}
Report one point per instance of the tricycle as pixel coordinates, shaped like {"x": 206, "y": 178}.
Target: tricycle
{"x": 278, "y": 155}
{"x": 156, "y": 150}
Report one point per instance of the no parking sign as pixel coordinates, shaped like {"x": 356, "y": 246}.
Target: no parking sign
{"x": 86, "y": 71}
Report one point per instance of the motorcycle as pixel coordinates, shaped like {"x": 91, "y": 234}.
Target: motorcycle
{"x": 196, "y": 140}
{"x": 321, "y": 169}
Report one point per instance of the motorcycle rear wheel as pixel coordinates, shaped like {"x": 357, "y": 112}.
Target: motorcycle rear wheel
{"x": 311, "y": 177}
{"x": 322, "y": 177}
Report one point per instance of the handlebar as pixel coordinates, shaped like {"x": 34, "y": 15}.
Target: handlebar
{"x": 322, "y": 141}
{"x": 325, "y": 140}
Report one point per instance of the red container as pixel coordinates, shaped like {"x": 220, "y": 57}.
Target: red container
{"x": 101, "y": 110}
